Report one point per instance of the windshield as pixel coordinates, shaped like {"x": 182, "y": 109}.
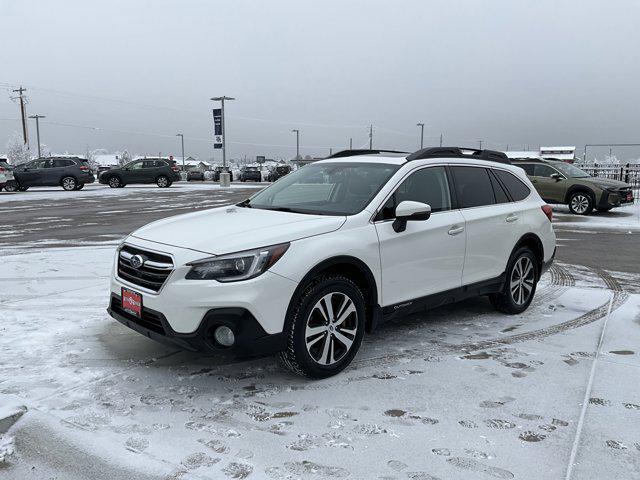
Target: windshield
{"x": 325, "y": 188}
{"x": 571, "y": 171}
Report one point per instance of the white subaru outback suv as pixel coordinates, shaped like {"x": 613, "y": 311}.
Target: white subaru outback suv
{"x": 308, "y": 265}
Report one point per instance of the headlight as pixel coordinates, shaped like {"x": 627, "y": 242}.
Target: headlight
{"x": 236, "y": 266}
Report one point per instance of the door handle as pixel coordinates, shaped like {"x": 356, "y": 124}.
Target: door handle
{"x": 455, "y": 230}
{"x": 512, "y": 218}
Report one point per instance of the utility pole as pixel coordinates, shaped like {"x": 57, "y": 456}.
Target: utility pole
{"x": 351, "y": 144}
{"x": 330, "y": 151}
{"x": 371, "y": 137}
{"x": 20, "y": 91}
{"x": 297, "y": 132}
{"x": 182, "y": 142}
{"x": 421, "y": 125}
{"x": 440, "y": 139}
{"x": 38, "y": 117}
{"x": 224, "y": 175}
{"x": 480, "y": 143}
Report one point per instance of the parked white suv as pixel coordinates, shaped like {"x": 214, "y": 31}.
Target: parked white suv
{"x": 306, "y": 266}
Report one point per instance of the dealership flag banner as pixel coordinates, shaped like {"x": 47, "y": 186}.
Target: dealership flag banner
{"x": 217, "y": 128}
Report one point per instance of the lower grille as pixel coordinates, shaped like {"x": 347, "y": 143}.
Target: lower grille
{"x": 150, "y": 320}
{"x": 148, "y": 269}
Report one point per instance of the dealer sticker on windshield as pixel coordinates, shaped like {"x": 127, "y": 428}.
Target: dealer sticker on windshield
{"x": 132, "y": 302}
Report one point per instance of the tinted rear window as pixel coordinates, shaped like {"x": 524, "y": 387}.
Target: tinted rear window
{"x": 515, "y": 186}
{"x": 527, "y": 167}
{"x": 473, "y": 187}
{"x": 498, "y": 190}
{"x": 63, "y": 162}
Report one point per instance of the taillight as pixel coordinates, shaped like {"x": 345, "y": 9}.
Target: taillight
{"x": 2, "y": 169}
{"x": 84, "y": 168}
{"x": 548, "y": 211}
{"x": 174, "y": 168}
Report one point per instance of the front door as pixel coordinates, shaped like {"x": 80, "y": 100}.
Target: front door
{"x": 135, "y": 172}
{"x": 550, "y": 189}
{"x": 32, "y": 174}
{"x": 428, "y": 256}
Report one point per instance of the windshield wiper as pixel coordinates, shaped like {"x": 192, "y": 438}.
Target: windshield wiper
{"x": 245, "y": 203}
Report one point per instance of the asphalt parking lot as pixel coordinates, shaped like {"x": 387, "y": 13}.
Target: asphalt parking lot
{"x": 461, "y": 392}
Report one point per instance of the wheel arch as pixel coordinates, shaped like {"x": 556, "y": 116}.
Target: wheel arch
{"x": 580, "y": 188}
{"x": 354, "y": 269}
{"x": 533, "y": 242}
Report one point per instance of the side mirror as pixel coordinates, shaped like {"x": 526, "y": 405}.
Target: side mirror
{"x": 410, "y": 211}
{"x": 556, "y": 176}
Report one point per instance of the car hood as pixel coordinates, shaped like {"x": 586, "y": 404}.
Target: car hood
{"x": 233, "y": 229}
{"x": 608, "y": 183}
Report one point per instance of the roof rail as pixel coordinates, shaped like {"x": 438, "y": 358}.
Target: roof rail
{"x": 353, "y": 153}
{"x": 460, "y": 152}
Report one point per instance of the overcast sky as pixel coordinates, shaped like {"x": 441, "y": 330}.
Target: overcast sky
{"x": 506, "y": 72}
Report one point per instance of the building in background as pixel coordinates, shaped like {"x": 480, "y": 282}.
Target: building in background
{"x": 565, "y": 154}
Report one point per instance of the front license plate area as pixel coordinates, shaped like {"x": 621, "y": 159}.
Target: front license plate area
{"x": 132, "y": 302}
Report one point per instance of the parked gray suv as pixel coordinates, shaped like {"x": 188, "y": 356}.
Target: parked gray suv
{"x": 70, "y": 173}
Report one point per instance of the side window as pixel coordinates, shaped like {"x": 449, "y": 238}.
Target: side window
{"x": 542, "y": 170}
{"x": 527, "y": 167}
{"x": 149, "y": 164}
{"x": 428, "y": 185}
{"x": 136, "y": 165}
{"x": 498, "y": 190}
{"x": 159, "y": 163}
{"x": 517, "y": 188}
{"x": 62, "y": 162}
{"x": 473, "y": 187}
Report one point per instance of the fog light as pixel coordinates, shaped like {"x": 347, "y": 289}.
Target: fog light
{"x": 224, "y": 336}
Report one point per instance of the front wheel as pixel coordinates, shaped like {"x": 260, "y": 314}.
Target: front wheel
{"x": 580, "y": 203}
{"x": 13, "y": 187}
{"x": 23, "y": 189}
{"x": 520, "y": 284}
{"x": 80, "y": 186}
{"x": 326, "y": 327}
{"x": 162, "y": 181}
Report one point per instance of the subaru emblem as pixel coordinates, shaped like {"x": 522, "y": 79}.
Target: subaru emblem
{"x": 137, "y": 261}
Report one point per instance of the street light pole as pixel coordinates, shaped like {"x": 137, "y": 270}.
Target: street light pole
{"x": 223, "y": 181}
{"x": 38, "y": 117}
{"x": 182, "y": 142}
{"x": 297, "y": 132}
{"x": 421, "y": 125}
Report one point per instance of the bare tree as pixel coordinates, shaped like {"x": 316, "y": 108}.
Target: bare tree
{"x": 125, "y": 157}
{"x": 17, "y": 150}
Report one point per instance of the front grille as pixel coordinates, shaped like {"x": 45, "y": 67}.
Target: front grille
{"x": 151, "y": 275}
{"x": 150, "y": 320}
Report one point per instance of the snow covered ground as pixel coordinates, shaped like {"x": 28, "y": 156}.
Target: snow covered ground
{"x": 461, "y": 392}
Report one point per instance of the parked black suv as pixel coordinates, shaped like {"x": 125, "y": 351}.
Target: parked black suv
{"x": 250, "y": 173}
{"x": 160, "y": 171}
{"x": 277, "y": 172}
{"x": 71, "y": 173}
{"x": 216, "y": 174}
{"x": 195, "y": 175}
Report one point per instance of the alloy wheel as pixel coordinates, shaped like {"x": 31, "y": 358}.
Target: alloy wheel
{"x": 522, "y": 280}
{"x": 114, "y": 182}
{"x": 331, "y": 328}
{"x": 579, "y": 203}
{"x": 162, "y": 182}
{"x": 69, "y": 183}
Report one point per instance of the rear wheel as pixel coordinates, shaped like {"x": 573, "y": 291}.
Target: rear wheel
{"x": 23, "y": 189}
{"x": 80, "y": 186}
{"x": 114, "y": 182}
{"x": 581, "y": 203}
{"x": 520, "y": 284}
{"x": 163, "y": 181}
{"x": 69, "y": 183}
{"x": 12, "y": 187}
{"x": 326, "y": 327}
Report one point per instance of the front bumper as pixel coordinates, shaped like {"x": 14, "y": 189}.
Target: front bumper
{"x": 610, "y": 199}
{"x": 250, "y": 337}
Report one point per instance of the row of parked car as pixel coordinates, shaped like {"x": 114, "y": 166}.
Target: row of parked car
{"x": 72, "y": 173}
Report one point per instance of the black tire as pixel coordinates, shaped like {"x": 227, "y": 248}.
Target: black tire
{"x": 312, "y": 309}
{"x": 163, "y": 181}
{"x": 115, "y": 182}
{"x": 509, "y": 300}
{"x": 23, "y": 189}
{"x": 580, "y": 203}
{"x": 12, "y": 188}
{"x": 80, "y": 187}
{"x": 603, "y": 210}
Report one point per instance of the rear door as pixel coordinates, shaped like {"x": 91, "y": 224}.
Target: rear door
{"x": 491, "y": 223}
{"x": 57, "y": 169}
{"x": 428, "y": 256}
{"x": 550, "y": 189}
